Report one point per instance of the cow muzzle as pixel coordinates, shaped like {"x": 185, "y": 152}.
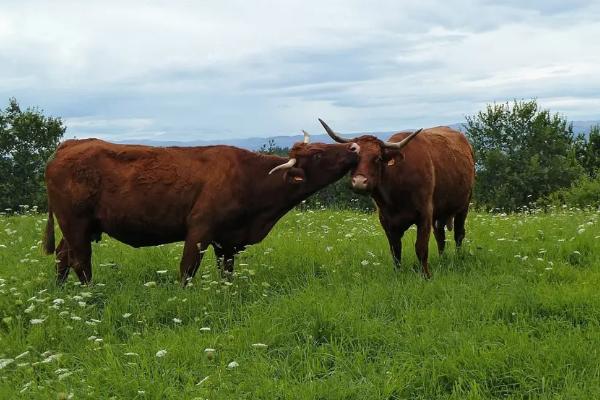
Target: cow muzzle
{"x": 359, "y": 183}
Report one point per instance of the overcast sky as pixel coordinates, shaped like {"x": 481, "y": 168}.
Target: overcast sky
{"x": 183, "y": 70}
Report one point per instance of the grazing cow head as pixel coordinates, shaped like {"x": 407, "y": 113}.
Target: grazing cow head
{"x": 318, "y": 163}
{"x": 374, "y": 156}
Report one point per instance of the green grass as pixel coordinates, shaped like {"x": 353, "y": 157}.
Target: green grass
{"x": 516, "y": 314}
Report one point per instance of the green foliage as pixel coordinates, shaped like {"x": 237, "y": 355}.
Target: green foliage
{"x": 27, "y": 140}
{"x": 588, "y": 151}
{"x": 271, "y": 148}
{"x": 522, "y": 154}
{"x": 515, "y": 315}
{"x": 585, "y": 192}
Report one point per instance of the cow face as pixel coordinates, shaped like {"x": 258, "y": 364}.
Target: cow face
{"x": 375, "y": 155}
{"x": 318, "y": 164}
{"x": 321, "y": 163}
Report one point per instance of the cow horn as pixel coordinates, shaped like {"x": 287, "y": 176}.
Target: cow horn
{"x": 306, "y": 136}
{"x": 333, "y": 135}
{"x": 286, "y": 165}
{"x": 404, "y": 142}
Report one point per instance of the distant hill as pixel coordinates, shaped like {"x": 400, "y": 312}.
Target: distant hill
{"x": 256, "y": 143}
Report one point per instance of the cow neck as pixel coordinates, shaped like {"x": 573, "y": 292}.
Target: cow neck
{"x": 382, "y": 194}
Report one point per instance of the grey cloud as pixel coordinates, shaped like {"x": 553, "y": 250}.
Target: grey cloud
{"x": 192, "y": 72}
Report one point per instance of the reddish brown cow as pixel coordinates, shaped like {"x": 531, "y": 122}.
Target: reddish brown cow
{"x": 428, "y": 184}
{"x": 145, "y": 196}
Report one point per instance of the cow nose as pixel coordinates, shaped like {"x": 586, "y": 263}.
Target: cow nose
{"x": 359, "y": 182}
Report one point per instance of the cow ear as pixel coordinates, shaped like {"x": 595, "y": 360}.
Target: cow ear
{"x": 392, "y": 157}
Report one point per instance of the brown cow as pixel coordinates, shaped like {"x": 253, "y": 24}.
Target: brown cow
{"x": 146, "y": 196}
{"x": 428, "y": 184}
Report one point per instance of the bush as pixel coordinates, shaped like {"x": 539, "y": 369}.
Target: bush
{"x": 585, "y": 192}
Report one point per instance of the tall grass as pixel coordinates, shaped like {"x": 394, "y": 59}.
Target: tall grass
{"x": 315, "y": 311}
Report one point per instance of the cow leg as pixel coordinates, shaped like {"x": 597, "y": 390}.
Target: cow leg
{"x": 394, "y": 233}
{"x": 193, "y": 251}
{"x": 422, "y": 243}
{"x": 225, "y": 262}
{"x": 62, "y": 262}
{"x": 440, "y": 234}
{"x": 395, "y": 241}
{"x": 459, "y": 226}
{"x": 81, "y": 260}
{"x": 82, "y": 255}
{"x": 77, "y": 237}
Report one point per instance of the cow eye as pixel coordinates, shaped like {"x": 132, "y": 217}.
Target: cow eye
{"x": 378, "y": 159}
{"x": 317, "y": 156}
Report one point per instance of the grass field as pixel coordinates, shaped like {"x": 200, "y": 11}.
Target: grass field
{"x": 316, "y": 311}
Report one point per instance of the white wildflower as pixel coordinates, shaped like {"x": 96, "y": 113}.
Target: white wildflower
{"x": 232, "y": 365}
{"x": 51, "y": 358}
{"x": 65, "y": 375}
{"x": 161, "y": 353}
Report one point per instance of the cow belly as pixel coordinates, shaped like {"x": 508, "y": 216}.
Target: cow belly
{"x": 139, "y": 233}
{"x": 138, "y": 238}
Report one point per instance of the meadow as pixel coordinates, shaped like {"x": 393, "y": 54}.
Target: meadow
{"x": 315, "y": 311}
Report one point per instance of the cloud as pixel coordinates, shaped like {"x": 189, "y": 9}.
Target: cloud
{"x": 199, "y": 70}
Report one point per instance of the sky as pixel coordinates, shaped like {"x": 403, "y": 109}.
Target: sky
{"x": 190, "y": 70}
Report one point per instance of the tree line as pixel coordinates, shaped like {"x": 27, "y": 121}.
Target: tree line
{"x": 526, "y": 157}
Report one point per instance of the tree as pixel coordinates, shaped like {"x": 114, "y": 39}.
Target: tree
{"x": 27, "y": 140}
{"x": 588, "y": 151}
{"x": 522, "y": 153}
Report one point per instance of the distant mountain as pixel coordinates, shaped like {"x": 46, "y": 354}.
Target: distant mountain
{"x": 256, "y": 143}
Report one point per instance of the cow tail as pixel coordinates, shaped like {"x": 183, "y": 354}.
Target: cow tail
{"x": 48, "y": 241}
